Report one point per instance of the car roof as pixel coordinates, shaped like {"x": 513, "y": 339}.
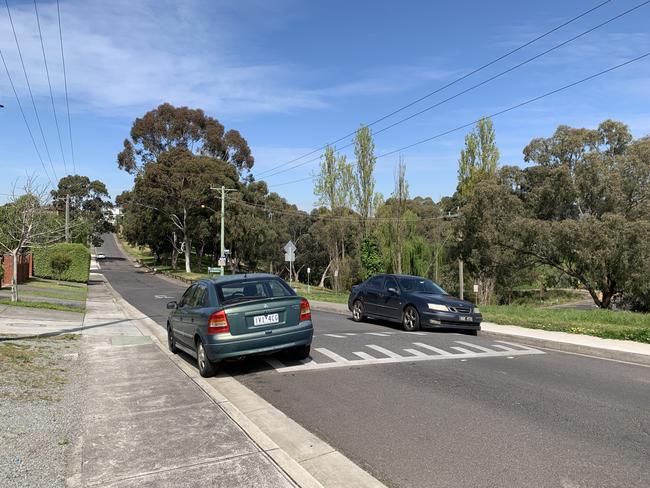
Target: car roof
{"x": 238, "y": 277}
{"x": 398, "y": 276}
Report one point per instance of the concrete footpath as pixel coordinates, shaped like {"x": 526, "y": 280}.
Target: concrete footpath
{"x": 36, "y": 321}
{"x": 146, "y": 423}
{"x": 618, "y": 350}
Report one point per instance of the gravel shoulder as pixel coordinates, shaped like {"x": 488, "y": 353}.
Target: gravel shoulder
{"x": 40, "y": 403}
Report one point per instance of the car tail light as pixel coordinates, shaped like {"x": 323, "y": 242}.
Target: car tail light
{"x": 305, "y": 310}
{"x": 218, "y": 323}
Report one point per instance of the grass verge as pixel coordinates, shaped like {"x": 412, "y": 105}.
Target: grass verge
{"x": 320, "y": 294}
{"x": 43, "y": 305}
{"x": 607, "y": 324}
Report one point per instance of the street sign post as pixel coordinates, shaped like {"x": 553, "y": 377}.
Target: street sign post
{"x": 214, "y": 270}
{"x": 290, "y": 257}
{"x": 308, "y": 280}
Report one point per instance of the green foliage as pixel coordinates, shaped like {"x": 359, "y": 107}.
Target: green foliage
{"x": 370, "y": 256}
{"x": 334, "y": 182}
{"x": 60, "y": 262}
{"x": 416, "y": 257}
{"x": 89, "y": 207}
{"x": 43, "y": 305}
{"x": 168, "y": 127}
{"x": 479, "y": 158}
{"x": 79, "y": 269}
{"x": 364, "y": 179}
{"x": 587, "y": 206}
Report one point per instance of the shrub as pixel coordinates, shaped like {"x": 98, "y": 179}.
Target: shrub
{"x": 79, "y": 269}
{"x": 60, "y": 263}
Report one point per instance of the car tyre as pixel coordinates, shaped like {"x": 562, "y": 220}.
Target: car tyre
{"x": 357, "y": 311}
{"x": 206, "y": 367}
{"x": 171, "y": 342}
{"x": 301, "y": 352}
{"x": 410, "y": 319}
{"x": 472, "y": 332}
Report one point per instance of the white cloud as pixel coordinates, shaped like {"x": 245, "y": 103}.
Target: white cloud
{"x": 123, "y": 57}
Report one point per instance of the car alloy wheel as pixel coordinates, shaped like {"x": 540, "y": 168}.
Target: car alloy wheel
{"x": 357, "y": 311}
{"x": 411, "y": 319}
{"x": 206, "y": 367}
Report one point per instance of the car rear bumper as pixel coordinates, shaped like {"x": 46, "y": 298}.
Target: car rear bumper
{"x": 228, "y": 346}
{"x": 449, "y": 320}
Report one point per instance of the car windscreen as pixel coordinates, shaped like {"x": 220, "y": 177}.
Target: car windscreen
{"x": 253, "y": 289}
{"x": 410, "y": 284}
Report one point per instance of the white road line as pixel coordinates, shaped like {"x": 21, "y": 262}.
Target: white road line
{"x": 475, "y": 346}
{"x": 462, "y": 349}
{"x": 519, "y": 346}
{"x": 384, "y": 351}
{"x": 379, "y": 334}
{"x": 350, "y": 333}
{"x": 417, "y": 353}
{"x": 505, "y": 348}
{"x": 442, "y": 352}
{"x": 368, "y": 360}
{"x": 414, "y": 333}
{"x": 332, "y": 355}
{"x": 335, "y": 335}
{"x": 363, "y": 355}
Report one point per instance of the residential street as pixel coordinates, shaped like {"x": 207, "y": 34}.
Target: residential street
{"x": 443, "y": 409}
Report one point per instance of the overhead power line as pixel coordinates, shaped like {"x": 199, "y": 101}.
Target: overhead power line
{"x": 22, "y": 112}
{"x": 49, "y": 83}
{"x": 65, "y": 84}
{"x": 438, "y": 90}
{"x": 477, "y": 85}
{"x": 29, "y": 87}
{"x": 496, "y": 114}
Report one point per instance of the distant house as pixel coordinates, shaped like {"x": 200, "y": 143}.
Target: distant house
{"x": 116, "y": 212}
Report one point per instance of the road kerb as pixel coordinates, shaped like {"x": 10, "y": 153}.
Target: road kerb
{"x": 572, "y": 343}
{"x": 281, "y": 438}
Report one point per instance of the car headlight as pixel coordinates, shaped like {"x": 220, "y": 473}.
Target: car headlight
{"x": 438, "y": 307}
{"x": 476, "y": 310}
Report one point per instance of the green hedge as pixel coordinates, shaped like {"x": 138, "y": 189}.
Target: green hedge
{"x": 79, "y": 270}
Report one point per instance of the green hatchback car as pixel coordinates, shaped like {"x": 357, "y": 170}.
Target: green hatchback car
{"x": 237, "y": 316}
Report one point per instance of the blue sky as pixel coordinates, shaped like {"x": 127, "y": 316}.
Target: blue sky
{"x": 293, "y": 75}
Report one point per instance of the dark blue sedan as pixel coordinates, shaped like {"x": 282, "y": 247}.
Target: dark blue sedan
{"x": 413, "y": 301}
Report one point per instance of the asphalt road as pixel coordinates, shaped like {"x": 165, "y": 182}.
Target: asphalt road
{"x": 442, "y": 409}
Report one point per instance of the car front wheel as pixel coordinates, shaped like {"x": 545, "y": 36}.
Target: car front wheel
{"x": 357, "y": 311}
{"x": 206, "y": 367}
{"x": 411, "y": 319}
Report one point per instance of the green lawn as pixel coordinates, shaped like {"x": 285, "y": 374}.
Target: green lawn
{"x": 600, "y": 323}
{"x": 320, "y": 294}
{"x": 48, "y": 291}
{"x": 44, "y": 305}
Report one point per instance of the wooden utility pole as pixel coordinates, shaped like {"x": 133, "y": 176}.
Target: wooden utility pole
{"x": 461, "y": 280}
{"x": 67, "y": 218}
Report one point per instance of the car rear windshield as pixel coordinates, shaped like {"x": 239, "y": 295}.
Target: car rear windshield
{"x": 422, "y": 285}
{"x": 253, "y": 289}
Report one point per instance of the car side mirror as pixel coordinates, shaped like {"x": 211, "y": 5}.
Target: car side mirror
{"x": 172, "y": 305}
{"x": 393, "y": 291}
